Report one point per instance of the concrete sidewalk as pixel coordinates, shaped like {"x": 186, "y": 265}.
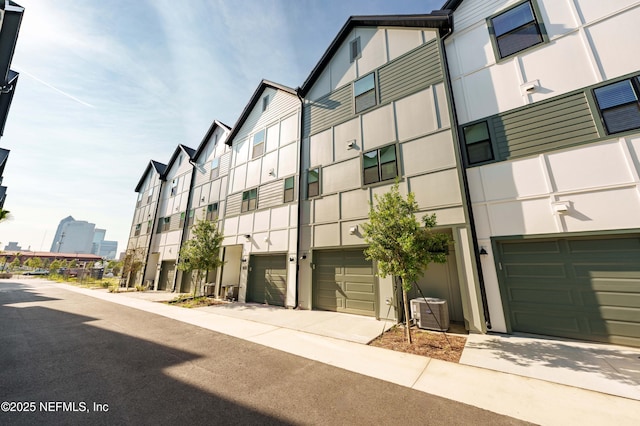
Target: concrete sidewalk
{"x": 505, "y": 392}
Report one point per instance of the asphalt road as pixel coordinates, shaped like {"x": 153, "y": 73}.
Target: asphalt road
{"x": 66, "y": 358}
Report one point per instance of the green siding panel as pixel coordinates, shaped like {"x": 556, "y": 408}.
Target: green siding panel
{"x": 589, "y": 288}
{"x": 323, "y": 113}
{"x": 543, "y": 127}
{"x": 410, "y": 73}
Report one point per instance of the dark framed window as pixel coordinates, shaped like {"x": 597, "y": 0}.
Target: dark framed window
{"x": 478, "y": 143}
{"x": 163, "y": 224}
{"x": 212, "y": 212}
{"x": 139, "y": 202}
{"x": 249, "y": 200}
{"x": 149, "y": 225}
{"x": 215, "y": 168}
{"x": 191, "y": 218}
{"x": 364, "y": 92}
{"x": 174, "y": 187}
{"x": 265, "y": 103}
{"x": 313, "y": 182}
{"x": 150, "y": 195}
{"x": 137, "y": 231}
{"x": 183, "y": 218}
{"x": 380, "y": 165}
{"x": 619, "y": 106}
{"x": 516, "y": 29}
{"x": 289, "y": 188}
{"x": 258, "y": 144}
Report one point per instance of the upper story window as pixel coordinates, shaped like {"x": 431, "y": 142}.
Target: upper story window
{"x": 137, "y": 231}
{"x": 249, "y": 200}
{"x": 364, "y": 92}
{"x": 215, "y": 168}
{"x": 212, "y": 212}
{"x": 192, "y": 217}
{"x": 313, "y": 182}
{"x": 149, "y": 224}
{"x": 478, "y": 143}
{"x": 516, "y": 29}
{"x": 619, "y": 106}
{"x": 149, "y": 197}
{"x": 258, "y": 144}
{"x": 174, "y": 187}
{"x": 289, "y": 189}
{"x": 355, "y": 51}
{"x": 183, "y": 218}
{"x": 179, "y": 159}
{"x": 163, "y": 224}
{"x": 380, "y": 165}
{"x": 265, "y": 102}
{"x": 139, "y": 199}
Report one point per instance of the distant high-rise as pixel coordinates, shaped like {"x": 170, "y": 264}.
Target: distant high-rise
{"x": 73, "y": 236}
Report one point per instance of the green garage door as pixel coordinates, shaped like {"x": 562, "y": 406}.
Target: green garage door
{"x": 343, "y": 281}
{"x": 267, "y": 280}
{"x": 582, "y": 288}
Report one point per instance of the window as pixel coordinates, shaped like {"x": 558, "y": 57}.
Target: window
{"x": 192, "y": 216}
{"x": 179, "y": 159}
{"x": 380, "y": 165}
{"x": 258, "y": 144}
{"x": 289, "y": 185}
{"x": 478, "y": 143}
{"x": 212, "y": 212}
{"x": 619, "y": 106}
{"x": 163, "y": 224}
{"x": 516, "y": 29}
{"x": 355, "y": 50}
{"x": 265, "y": 103}
{"x": 215, "y": 168}
{"x": 249, "y": 200}
{"x": 149, "y": 225}
{"x": 174, "y": 187}
{"x": 150, "y": 195}
{"x": 313, "y": 183}
{"x": 137, "y": 231}
{"x": 139, "y": 199}
{"x": 364, "y": 92}
{"x": 183, "y": 218}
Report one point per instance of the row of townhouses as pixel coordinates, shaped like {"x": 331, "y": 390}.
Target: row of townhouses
{"x": 516, "y": 122}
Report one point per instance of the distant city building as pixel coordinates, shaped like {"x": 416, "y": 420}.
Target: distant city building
{"x": 13, "y": 246}
{"x": 80, "y": 236}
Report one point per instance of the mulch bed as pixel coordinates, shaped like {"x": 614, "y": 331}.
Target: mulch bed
{"x": 433, "y": 344}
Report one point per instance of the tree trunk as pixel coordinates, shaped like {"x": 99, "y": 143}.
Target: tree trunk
{"x": 407, "y": 320}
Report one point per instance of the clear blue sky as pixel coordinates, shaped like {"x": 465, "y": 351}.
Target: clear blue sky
{"x": 107, "y": 86}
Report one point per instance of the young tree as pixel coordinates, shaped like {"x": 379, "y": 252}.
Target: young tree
{"x": 399, "y": 244}
{"x": 54, "y": 266}
{"x": 132, "y": 263}
{"x": 202, "y": 252}
{"x": 15, "y": 263}
{"x": 34, "y": 262}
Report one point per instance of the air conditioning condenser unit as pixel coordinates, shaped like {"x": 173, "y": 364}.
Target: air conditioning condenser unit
{"x": 430, "y": 313}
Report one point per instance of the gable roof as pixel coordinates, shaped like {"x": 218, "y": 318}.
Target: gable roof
{"x": 438, "y": 19}
{"x": 252, "y": 102}
{"x": 155, "y": 165}
{"x": 6, "y": 97}
{"x": 176, "y": 153}
{"x": 216, "y": 124}
{"x": 451, "y": 4}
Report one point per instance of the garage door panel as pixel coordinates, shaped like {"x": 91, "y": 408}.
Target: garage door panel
{"x": 604, "y": 245}
{"x": 536, "y": 270}
{"x": 535, "y": 296}
{"x": 596, "y": 297}
{"x": 267, "y": 280}
{"x": 548, "y": 247}
{"x": 344, "y": 281}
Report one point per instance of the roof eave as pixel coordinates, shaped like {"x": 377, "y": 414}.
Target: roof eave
{"x": 252, "y": 103}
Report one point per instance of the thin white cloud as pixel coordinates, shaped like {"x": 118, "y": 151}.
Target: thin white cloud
{"x": 62, "y": 92}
